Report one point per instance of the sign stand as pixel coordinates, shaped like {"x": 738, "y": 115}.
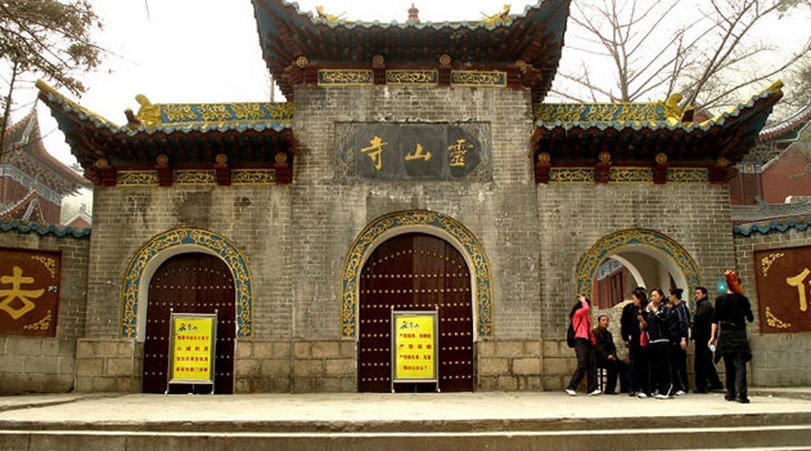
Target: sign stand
{"x": 414, "y": 351}
{"x": 192, "y": 349}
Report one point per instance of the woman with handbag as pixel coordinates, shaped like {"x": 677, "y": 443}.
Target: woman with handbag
{"x": 584, "y": 348}
{"x": 630, "y": 328}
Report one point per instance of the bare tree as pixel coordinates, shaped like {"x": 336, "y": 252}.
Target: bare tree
{"x": 652, "y": 49}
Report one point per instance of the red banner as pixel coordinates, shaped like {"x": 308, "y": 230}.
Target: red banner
{"x": 783, "y": 279}
{"x": 29, "y": 291}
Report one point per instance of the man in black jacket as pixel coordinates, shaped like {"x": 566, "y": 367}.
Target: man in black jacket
{"x": 705, "y": 373}
{"x": 607, "y": 358}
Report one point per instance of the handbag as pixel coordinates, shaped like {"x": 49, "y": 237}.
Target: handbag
{"x": 570, "y": 336}
{"x": 644, "y": 339}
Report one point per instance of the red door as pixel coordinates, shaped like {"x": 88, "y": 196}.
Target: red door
{"x": 189, "y": 283}
{"x": 415, "y": 271}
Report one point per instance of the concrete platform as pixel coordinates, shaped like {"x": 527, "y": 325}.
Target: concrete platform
{"x": 776, "y": 419}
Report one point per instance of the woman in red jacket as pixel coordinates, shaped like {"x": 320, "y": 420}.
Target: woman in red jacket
{"x": 584, "y": 348}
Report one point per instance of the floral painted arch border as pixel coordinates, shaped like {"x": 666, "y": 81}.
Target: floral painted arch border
{"x": 214, "y": 243}
{"x": 368, "y": 237}
{"x": 588, "y": 264}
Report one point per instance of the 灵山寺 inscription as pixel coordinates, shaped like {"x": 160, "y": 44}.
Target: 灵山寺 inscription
{"x": 389, "y": 152}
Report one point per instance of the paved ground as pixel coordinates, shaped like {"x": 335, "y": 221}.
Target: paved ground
{"x": 145, "y": 410}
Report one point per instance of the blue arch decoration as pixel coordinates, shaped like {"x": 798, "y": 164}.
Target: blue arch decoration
{"x": 588, "y": 264}
{"x": 447, "y": 226}
{"x": 217, "y": 245}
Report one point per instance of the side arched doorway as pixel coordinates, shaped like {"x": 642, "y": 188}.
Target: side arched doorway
{"x": 189, "y": 283}
{"x": 415, "y": 271}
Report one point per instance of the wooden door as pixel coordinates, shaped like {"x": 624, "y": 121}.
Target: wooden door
{"x": 415, "y": 271}
{"x": 189, "y": 283}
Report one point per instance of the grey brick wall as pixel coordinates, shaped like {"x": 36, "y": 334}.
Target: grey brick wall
{"x": 777, "y": 359}
{"x": 324, "y": 209}
{"x": 572, "y": 218}
{"x": 43, "y": 364}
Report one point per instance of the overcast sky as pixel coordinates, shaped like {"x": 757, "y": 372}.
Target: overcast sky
{"x": 184, "y": 51}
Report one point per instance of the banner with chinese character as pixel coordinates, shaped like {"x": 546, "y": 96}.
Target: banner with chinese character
{"x": 29, "y": 291}
{"x": 414, "y": 351}
{"x": 192, "y": 348}
{"x": 783, "y": 279}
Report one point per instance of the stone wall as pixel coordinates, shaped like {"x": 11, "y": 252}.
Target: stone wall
{"x": 297, "y": 366}
{"x": 777, "y": 359}
{"x": 109, "y": 365}
{"x": 45, "y": 364}
{"x": 510, "y": 365}
{"x": 574, "y": 217}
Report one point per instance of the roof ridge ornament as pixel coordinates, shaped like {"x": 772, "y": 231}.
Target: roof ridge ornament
{"x": 329, "y": 18}
{"x": 500, "y": 18}
{"x": 148, "y": 114}
{"x": 413, "y": 15}
{"x": 673, "y": 112}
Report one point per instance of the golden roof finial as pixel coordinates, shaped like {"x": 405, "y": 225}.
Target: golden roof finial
{"x": 319, "y": 10}
{"x": 673, "y": 112}
{"x": 498, "y": 18}
{"x": 148, "y": 114}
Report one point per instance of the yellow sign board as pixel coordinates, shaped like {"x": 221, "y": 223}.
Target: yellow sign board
{"x": 414, "y": 346}
{"x": 192, "y": 348}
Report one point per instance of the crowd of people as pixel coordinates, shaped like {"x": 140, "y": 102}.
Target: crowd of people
{"x": 656, "y": 331}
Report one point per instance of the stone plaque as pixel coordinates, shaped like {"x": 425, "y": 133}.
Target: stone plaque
{"x": 413, "y": 152}
{"x": 29, "y": 291}
{"x": 783, "y": 279}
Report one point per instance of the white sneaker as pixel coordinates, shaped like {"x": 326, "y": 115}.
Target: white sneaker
{"x": 680, "y": 393}
{"x": 662, "y": 396}
{"x": 641, "y": 395}
{"x": 570, "y": 392}
{"x": 596, "y": 392}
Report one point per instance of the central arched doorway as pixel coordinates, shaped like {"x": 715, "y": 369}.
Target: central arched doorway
{"x": 415, "y": 271}
{"x": 189, "y": 283}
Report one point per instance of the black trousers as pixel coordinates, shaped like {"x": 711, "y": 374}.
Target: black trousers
{"x": 705, "y": 373}
{"x": 585, "y": 364}
{"x": 735, "y": 366}
{"x": 678, "y": 367}
{"x": 639, "y": 371}
{"x": 661, "y": 368}
{"x": 614, "y": 369}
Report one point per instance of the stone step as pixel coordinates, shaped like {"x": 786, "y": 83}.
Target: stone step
{"x": 400, "y": 425}
{"x": 747, "y": 437}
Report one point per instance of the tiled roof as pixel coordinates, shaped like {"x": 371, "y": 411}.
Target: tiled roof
{"x": 287, "y": 35}
{"x": 637, "y": 132}
{"x": 188, "y": 134}
{"x": 765, "y": 218}
{"x": 43, "y": 229}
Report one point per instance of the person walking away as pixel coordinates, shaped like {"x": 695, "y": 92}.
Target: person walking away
{"x": 678, "y": 331}
{"x": 729, "y": 331}
{"x": 630, "y": 321}
{"x": 656, "y": 325}
{"x": 606, "y": 354}
{"x": 584, "y": 349}
{"x": 706, "y": 377}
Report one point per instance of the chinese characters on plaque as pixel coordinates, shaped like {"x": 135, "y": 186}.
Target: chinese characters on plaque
{"x": 29, "y": 292}
{"x": 783, "y": 279}
{"x": 412, "y": 151}
{"x": 414, "y": 346}
{"x": 192, "y": 348}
